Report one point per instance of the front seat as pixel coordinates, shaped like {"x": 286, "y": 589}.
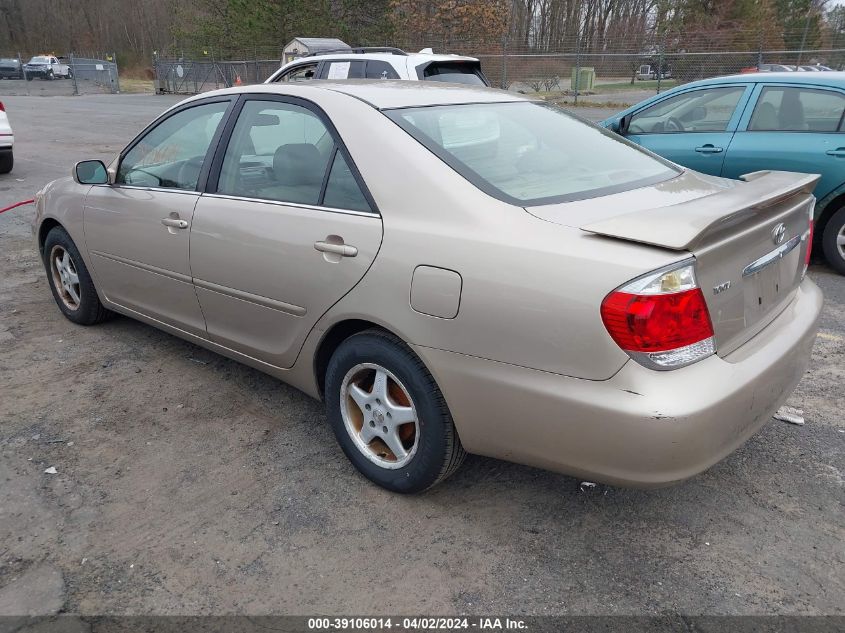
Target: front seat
{"x": 765, "y": 118}
{"x": 298, "y": 169}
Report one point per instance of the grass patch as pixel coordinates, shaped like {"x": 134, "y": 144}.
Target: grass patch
{"x": 584, "y": 102}
{"x": 136, "y": 86}
{"x": 665, "y": 84}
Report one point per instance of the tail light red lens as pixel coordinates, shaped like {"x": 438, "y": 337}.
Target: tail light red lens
{"x": 2, "y": 107}
{"x": 661, "y": 320}
{"x": 809, "y": 244}
{"x": 656, "y": 323}
{"x": 809, "y": 237}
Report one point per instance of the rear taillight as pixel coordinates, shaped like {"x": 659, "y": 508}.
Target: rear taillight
{"x": 809, "y": 236}
{"x": 661, "y": 319}
{"x": 2, "y": 107}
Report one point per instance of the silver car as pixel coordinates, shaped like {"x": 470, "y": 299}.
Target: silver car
{"x": 452, "y": 269}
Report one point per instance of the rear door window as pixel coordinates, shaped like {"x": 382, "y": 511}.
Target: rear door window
{"x": 278, "y": 151}
{"x": 342, "y": 190}
{"x": 284, "y": 152}
{"x": 342, "y": 69}
{"x": 377, "y": 69}
{"x": 783, "y": 109}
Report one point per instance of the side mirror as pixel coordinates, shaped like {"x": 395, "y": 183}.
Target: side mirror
{"x": 622, "y": 125}
{"x": 91, "y": 172}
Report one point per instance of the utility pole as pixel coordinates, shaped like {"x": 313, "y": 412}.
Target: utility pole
{"x": 73, "y": 74}
{"x": 577, "y": 59}
{"x": 505, "y": 41}
{"x": 804, "y": 37}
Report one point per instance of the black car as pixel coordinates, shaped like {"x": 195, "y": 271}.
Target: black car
{"x": 11, "y": 68}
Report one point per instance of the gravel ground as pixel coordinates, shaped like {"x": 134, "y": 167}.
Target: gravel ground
{"x": 188, "y": 484}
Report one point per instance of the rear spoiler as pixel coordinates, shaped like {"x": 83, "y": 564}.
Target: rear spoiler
{"x": 683, "y": 226}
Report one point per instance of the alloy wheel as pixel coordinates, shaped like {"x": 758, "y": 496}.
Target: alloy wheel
{"x": 379, "y": 415}
{"x": 65, "y": 277}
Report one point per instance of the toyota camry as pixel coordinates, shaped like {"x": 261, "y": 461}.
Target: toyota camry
{"x": 452, "y": 269}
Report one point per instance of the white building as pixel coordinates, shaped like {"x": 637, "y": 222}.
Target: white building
{"x": 302, "y": 46}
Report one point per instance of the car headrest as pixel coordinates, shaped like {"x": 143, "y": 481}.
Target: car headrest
{"x": 298, "y": 164}
{"x": 791, "y": 111}
{"x": 766, "y": 117}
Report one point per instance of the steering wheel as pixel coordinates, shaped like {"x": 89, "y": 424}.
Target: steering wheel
{"x": 674, "y": 125}
{"x": 189, "y": 173}
{"x": 131, "y": 181}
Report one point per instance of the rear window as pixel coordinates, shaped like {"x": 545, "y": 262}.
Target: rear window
{"x": 454, "y": 72}
{"x": 529, "y": 153}
{"x": 377, "y": 69}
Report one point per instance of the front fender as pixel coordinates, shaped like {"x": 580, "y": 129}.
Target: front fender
{"x": 61, "y": 202}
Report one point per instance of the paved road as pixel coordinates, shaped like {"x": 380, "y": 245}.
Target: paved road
{"x": 187, "y": 483}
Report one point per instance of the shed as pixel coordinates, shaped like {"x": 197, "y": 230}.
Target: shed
{"x": 302, "y": 46}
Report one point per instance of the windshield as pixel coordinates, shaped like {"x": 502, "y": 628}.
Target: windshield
{"x": 530, "y": 153}
{"x": 39, "y": 60}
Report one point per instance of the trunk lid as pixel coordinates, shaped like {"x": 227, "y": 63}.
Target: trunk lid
{"x": 749, "y": 241}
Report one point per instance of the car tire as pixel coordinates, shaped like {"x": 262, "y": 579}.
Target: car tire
{"x": 70, "y": 282}
{"x": 365, "y": 432}
{"x": 7, "y": 162}
{"x": 833, "y": 241}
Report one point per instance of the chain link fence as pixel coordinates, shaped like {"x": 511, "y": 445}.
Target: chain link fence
{"x": 624, "y": 78}
{"x": 201, "y": 72}
{"x": 605, "y": 77}
{"x": 48, "y": 74}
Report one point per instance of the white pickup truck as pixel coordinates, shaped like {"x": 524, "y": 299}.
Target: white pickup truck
{"x": 47, "y": 67}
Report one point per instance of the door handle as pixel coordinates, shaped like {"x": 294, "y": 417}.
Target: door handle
{"x": 175, "y": 223}
{"x": 344, "y": 250}
{"x": 839, "y": 152}
{"x": 708, "y": 149}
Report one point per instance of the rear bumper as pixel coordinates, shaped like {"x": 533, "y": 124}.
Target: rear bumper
{"x": 641, "y": 427}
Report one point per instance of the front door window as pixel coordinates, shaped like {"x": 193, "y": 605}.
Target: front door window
{"x": 708, "y": 110}
{"x": 171, "y": 155}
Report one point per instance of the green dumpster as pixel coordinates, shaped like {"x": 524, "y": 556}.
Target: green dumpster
{"x": 586, "y": 79}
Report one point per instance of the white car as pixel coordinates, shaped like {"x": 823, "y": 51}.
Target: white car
{"x": 7, "y": 140}
{"x": 382, "y": 63}
{"x": 47, "y": 67}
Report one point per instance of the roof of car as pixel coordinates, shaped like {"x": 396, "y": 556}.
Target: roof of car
{"x": 388, "y": 57}
{"x": 828, "y": 78}
{"x": 386, "y": 94}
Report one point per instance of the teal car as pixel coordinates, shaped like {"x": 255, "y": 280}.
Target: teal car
{"x": 729, "y": 126}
